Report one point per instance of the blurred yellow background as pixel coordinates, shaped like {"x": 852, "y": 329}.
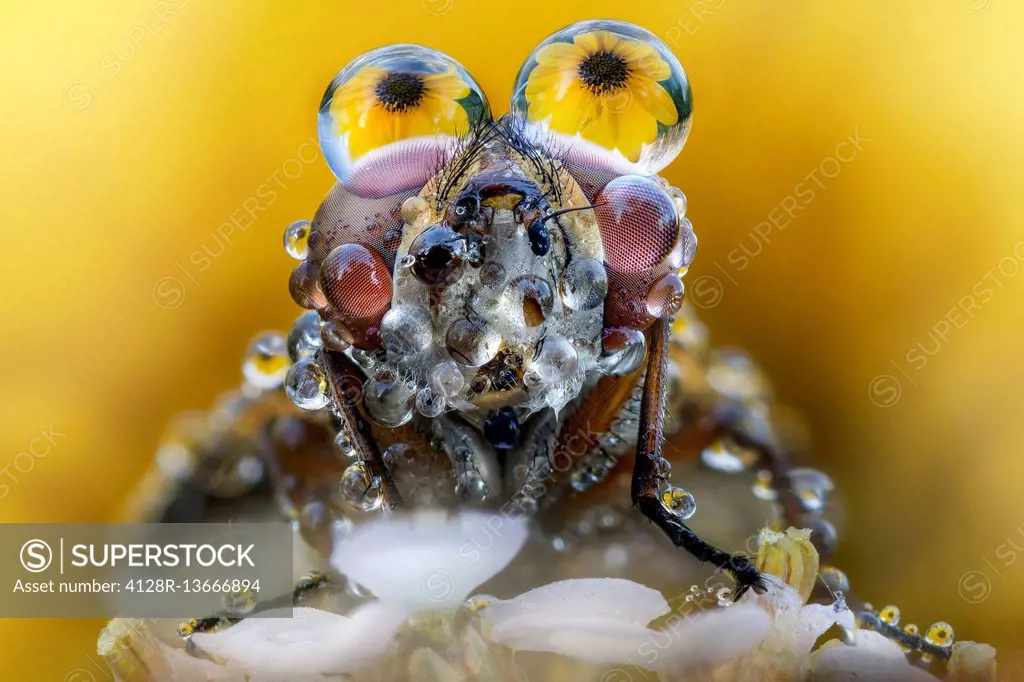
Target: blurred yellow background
{"x": 132, "y": 131}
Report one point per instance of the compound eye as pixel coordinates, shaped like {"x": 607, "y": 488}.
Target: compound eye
{"x": 608, "y": 93}
{"x": 391, "y": 117}
{"x": 643, "y": 251}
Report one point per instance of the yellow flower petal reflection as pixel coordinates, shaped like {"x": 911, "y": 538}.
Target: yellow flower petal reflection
{"x": 398, "y": 94}
{"x": 610, "y": 84}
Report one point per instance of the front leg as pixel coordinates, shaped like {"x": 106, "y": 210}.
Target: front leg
{"x": 650, "y": 463}
{"x": 346, "y": 384}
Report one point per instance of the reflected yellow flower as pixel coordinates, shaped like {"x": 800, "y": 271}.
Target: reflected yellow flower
{"x": 603, "y": 87}
{"x": 377, "y": 107}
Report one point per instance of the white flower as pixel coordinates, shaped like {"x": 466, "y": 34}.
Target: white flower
{"x": 872, "y": 656}
{"x": 432, "y": 562}
{"x": 421, "y": 568}
{"x": 310, "y": 642}
{"x": 796, "y": 626}
{"x": 429, "y": 561}
{"x": 605, "y": 620}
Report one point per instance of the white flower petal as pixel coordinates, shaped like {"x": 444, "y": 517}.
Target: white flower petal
{"x": 428, "y": 560}
{"x": 604, "y": 620}
{"x": 311, "y": 642}
{"x": 711, "y": 637}
{"x": 815, "y": 619}
{"x": 872, "y": 657}
{"x": 580, "y": 599}
{"x": 594, "y": 641}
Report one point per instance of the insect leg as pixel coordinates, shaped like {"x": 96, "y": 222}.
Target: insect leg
{"x": 346, "y": 384}
{"x": 649, "y": 464}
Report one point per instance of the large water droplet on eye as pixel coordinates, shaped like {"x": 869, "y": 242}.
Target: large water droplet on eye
{"x": 304, "y": 337}
{"x": 635, "y": 94}
{"x": 811, "y": 487}
{"x": 359, "y": 489}
{"x": 389, "y": 400}
{"x": 471, "y": 345}
{"x": 266, "y": 361}
{"x": 584, "y": 284}
{"x": 557, "y": 361}
{"x": 296, "y": 239}
{"x": 622, "y": 351}
{"x": 306, "y": 385}
{"x": 391, "y": 118}
{"x": 406, "y": 330}
{"x": 665, "y": 296}
{"x": 680, "y": 502}
{"x": 447, "y": 379}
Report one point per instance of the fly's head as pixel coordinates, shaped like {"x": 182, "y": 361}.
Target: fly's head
{"x": 497, "y": 267}
{"x": 499, "y": 278}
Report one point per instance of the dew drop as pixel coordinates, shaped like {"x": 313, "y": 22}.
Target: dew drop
{"x": 735, "y": 376}
{"x": 389, "y": 400}
{"x": 557, "y": 360}
{"x": 335, "y": 336}
{"x": 584, "y": 284}
{"x": 471, "y": 485}
{"x": 304, "y": 286}
{"x": 406, "y": 330}
{"x": 687, "y": 244}
{"x": 622, "y": 351}
{"x": 266, "y": 362}
{"x": 811, "y": 487}
{"x": 762, "y": 488}
{"x": 678, "y": 200}
{"x": 719, "y": 456}
{"x": 306, "y": 385}
{"x": 890, "y": 614}
{"x": 679, "y": 501}
{"x": 429, "y": 404}
{"x": 304, "y": 337}
{"x": 447, "y": 379}
{"x": 359, "y": 489}
{"x": 492, "y": 274}
{"x": 835, "y": 579}
{"x": 345, "y": 445}
{"x": 296, "y": 239}
{"x": 665, "y": 296}
{"x": 940, "y": 634}
{"x": 470, "y": 344}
